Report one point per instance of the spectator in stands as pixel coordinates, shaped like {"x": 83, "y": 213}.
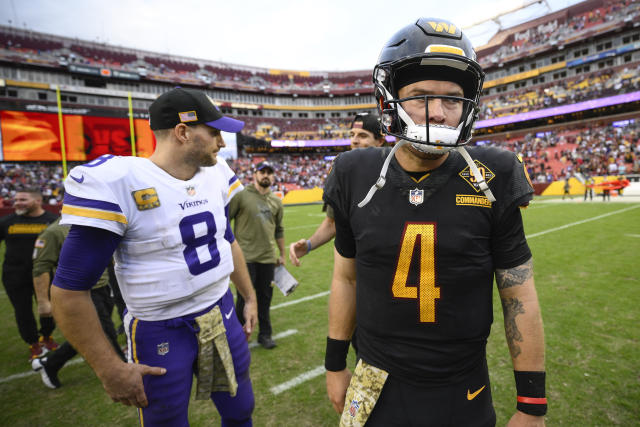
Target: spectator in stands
{"x": 19, "y": 231}
{"x": 45, "y": 260}
{"x": 257, "y": 215}
{"x": 365, "y": 132}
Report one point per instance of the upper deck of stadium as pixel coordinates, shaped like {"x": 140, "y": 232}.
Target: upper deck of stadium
{"x": 556, "y": 31}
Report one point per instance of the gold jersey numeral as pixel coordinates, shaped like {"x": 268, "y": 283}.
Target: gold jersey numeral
{"x": 425, "y": 290}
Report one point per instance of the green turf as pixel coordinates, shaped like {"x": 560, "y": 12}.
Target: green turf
{"x": 587, "y": 277}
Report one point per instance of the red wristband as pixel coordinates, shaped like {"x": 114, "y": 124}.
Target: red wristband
{"x": 533, "y": 400}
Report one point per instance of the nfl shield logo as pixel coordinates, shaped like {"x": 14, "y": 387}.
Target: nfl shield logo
{"x": 416, "y": 197}
{"x": 353, "y": 409}
{"x": 163, "y": 348}
{"x": 191, "y": 190}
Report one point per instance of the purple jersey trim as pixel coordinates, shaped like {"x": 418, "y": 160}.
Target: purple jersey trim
{"x": 228, "y": 234}
{"x": 233, "y": 179}
{"x": 85, "y": 254}
{"x": 90, "y": 203}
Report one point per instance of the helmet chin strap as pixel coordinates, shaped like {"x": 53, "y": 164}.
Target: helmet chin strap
{"x": 447, "y": 134}
{"x": 383, "y": 173}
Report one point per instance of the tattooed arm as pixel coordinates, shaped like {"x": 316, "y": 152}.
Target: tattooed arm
{"x": 522, "y": 320}
{"x": 522, "y": 326}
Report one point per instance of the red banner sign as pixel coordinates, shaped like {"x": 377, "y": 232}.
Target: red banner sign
{"x": 36, "y": 136}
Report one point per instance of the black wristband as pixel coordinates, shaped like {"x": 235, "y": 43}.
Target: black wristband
{"x": 335, "y": 357}
{"x": 530, "y": 387}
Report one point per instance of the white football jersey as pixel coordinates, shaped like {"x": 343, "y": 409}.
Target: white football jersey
{"x": 173, "y": 258}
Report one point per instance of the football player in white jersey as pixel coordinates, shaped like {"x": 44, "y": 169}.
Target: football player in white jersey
{"x": 165, "y": 218}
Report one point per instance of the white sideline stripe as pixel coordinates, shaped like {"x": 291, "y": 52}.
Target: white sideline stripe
{"x": 277, "y": 336}
{"x": 562, "y": 227}
{"x": 633, "y": 235}
{"x": 303, "y": 299}
{"x": 316, "y": 372}
{"x": 29, "y": 373}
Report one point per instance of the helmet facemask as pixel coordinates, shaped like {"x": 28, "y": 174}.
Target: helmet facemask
{"x": 432, "y": 137}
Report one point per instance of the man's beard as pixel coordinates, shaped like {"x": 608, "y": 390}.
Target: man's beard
{"x": 21, "y": 211}
{"x": 264, "y": 183}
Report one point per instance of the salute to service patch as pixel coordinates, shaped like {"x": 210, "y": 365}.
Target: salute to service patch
{"x": 146, "y": 199}
{"x": 487, "y": 175}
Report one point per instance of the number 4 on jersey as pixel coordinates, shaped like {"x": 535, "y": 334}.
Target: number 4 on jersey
{"x": 425, "y": 291}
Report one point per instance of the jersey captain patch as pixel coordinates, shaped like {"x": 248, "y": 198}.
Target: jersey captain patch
{"x": 146, "y": 199}
{"x": 486, "y": 173}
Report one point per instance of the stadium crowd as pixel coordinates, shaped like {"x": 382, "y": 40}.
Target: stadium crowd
{"x": 24, "y": 46}
{"x": 591, "y": 86}
{"x": 590, "y": 151}
{"x": 291, "y": 172}
{"x": 507, "y": 46}
{"x": 552, "y": 155}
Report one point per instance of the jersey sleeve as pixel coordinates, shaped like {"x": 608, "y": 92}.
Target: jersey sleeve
{"x": 234, "y": 186}
{"x": 91, "y": 196}
{"x": 516, "y": 188}
{"x": 336, "y": 196}
{"x": 509, "y": 244}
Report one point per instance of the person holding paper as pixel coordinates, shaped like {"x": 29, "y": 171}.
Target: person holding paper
{"x": 257, "y": 214}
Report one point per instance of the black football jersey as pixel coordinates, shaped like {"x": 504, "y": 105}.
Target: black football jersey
{"x": 20, "y": 233}
{"x": 426, "y": 251}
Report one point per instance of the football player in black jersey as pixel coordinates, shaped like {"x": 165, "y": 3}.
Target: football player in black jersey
{"x": 416, "y": 252}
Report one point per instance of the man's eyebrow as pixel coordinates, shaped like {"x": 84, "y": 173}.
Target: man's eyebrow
{"x": 418, "y": 91}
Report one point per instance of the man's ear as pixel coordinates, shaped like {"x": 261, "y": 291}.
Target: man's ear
{"x": 181, "y": 132}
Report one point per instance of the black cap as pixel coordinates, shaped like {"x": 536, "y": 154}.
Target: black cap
{"x": 191, "y": 107}
{"x": 265, "y": 165}
{"x": 368, "y": 121}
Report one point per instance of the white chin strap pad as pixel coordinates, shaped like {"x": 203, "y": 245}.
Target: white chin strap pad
{"x": 438, "y": 134}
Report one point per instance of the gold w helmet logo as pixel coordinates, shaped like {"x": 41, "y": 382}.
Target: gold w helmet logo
{"x": 443, "y": 27}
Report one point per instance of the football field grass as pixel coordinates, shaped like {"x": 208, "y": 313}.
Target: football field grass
{"x": 587, "y": 272}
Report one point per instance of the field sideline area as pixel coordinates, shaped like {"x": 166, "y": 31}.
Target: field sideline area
{"x": 587, "y": 275}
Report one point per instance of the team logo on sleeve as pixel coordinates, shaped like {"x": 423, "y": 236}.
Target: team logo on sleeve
{"x": 486, "y": 173}
{"x": 416, "y": 196}
{"x": 146, "y": 199}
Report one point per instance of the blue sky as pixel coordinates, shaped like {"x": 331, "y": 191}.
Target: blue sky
{"x": 286, "y": 34}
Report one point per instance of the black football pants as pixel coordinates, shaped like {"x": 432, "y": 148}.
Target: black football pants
{"x": 467, "y": 403}
{"x": 19, "y": 287}
{"x": 103, "y": 302}
{"x": 261, "y": 277}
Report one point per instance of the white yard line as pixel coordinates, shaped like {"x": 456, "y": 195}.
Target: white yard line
{"x": 29, "y": 373}
{"x": 595, "y": 218}
{"x": 299, "y": 300}
{"x": 309, "y": 375}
